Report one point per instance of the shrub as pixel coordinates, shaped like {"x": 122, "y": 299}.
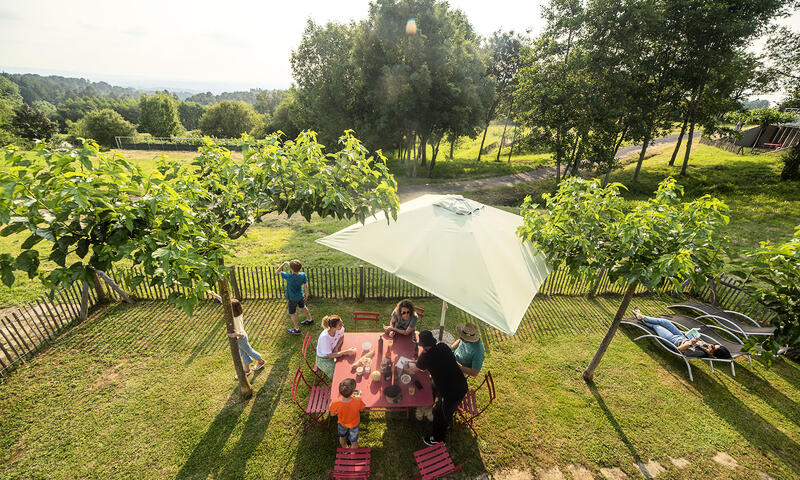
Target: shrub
{"x": 102, "y": 126}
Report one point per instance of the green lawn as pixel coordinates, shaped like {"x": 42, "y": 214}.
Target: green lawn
{"x": 144, "y": 392}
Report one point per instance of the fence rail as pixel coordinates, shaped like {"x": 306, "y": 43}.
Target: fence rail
{"x": 189, "y": 144}
{"x": 24, "y": 330}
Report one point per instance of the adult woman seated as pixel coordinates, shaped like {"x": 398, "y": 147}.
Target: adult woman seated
{"x": 404, "y": 319}
{"x": 468, "y": 349}
{"x": 690, "y": 348}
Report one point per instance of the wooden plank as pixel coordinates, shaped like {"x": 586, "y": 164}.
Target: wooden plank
{"x": 31, "y": 313}
{"x": 9, "y": 343}
{"x": 14, "y": 333}
{"x": 25, "y": 337}
{"x": 51, "y": 312}
{"x": 33, "y": 339}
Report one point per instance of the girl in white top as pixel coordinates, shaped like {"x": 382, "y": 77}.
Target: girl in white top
{"x": 329, "y": 344}
{"x": 245, "y": 350}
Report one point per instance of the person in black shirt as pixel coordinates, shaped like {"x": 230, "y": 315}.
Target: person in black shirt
{"x": 451, "y": 385}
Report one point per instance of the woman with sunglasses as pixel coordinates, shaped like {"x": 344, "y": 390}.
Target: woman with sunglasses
{"x": 404, "y": 319}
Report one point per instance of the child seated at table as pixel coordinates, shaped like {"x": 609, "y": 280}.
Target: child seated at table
{"x": 348, "y": 409}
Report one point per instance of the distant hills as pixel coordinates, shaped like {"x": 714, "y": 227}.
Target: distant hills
{"x": 57, "y": 89}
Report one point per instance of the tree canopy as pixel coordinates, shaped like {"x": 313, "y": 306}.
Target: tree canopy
{"x": 587, "y": 227}
{"x": 158, "y": 115}
{"x": 228, "y": 119}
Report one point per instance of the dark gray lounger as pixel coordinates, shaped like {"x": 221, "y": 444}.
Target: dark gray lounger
{"x": 731, "y": 320}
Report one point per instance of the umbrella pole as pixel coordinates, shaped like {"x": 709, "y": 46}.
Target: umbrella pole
{"x": 441, "y": 323}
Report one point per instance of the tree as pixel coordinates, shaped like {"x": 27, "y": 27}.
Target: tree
{"x": 9, "y": 100}
{"x": 773, "y": 278}
{"x": 228, "y": 119}
{"x": 268, "y": 100}
{"x": 32, "y": 124}
{"x": 505, "y": 60}
{"x": 791, "y": 164}
{"x": 102, "y": 126}
{"x": 177, "y": 223}
{"x": 783, "y": 50}
{"x": 158, "y": 115}
{"x": 190, "y": 114}
{"x": 586, "y": 228}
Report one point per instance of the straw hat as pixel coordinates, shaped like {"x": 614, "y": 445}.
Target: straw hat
{"x": 468, "y": 332}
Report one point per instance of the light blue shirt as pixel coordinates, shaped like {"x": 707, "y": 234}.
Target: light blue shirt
{"x": 470, "y": 354}
{"x": 294, "y": 285}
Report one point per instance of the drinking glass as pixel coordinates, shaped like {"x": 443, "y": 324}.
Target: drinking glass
{"x": 411, "y": 390}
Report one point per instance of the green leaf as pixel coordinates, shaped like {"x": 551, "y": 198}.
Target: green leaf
{"x": 31, "y": 241}
{"x": 28, "y": 261}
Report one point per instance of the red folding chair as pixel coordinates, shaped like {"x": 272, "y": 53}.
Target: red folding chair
{"x": 434, "y": 462}
{"x": 319, "y": 399}
{"x": 351, "y": 463}
{"x": 320, "y": 377}
{"x": 471, "y": 407}
{"x": 368, "y": 316}
{"x": 419, "y": 311}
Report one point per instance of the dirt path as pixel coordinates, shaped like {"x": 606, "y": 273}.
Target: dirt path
{"x": 413, "y": 191}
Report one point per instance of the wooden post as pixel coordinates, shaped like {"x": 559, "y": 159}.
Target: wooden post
{"x": 98, "y": 288}
{"x": 361, "y": 283}
{"x": 588, "y": 374}
{"x": 227, "y": 310}
{"x": 111, "y": 283}
{"x": 235, "y": 285}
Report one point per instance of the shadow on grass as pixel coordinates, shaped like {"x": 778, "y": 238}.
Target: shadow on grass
{"x": 614, "y": 423}
{"x": 206, "y": 459}
{"x": 754, "y": 428}
{"x": 787, "y": 370}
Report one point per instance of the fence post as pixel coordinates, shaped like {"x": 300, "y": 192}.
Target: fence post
{"x": 361, "y": 283}
{"x": 98, "y": 286}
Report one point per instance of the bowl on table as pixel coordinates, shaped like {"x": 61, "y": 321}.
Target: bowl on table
{"x": 405, "y": 379}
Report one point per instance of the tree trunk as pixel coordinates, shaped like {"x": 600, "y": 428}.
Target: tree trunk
{"x": 99, "y": 290}
{"x": 423, "y": 149}
{"x": 680, "y": 139}
{"x": 685, "y": 166}
{"x": 434, "y": 153}
{"x": 480, "y": 150}
{"x": 596, "y": 285}
{"x": 227, "y": 310}
{"x": 505, "y": 125}
{"x": 513, "y": 139}
{"x": 84, "y": 300}
{"x": 641, "y": 156}
{"x": 588, "y": 374}
{"x": 452, "y": 146}
{"x": 577, "y": 160}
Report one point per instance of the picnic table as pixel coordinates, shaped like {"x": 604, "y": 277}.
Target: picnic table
{"x": 372, "y": 392}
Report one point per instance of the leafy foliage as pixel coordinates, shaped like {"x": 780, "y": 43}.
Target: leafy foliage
{"x": 776, "y": 271}
{"x": 190, "y": 113}
{"x": 32, "y": 124}
{"x": 158, "y": 115}
{"x": 177, "y": 223}
{"x": 102, "y": 126}
{"x": 228, "y": 119}
{"x": 586, "y": 227}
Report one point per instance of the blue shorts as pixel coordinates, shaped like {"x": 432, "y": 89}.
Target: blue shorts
{"x": 293, "y": 304}
{"x": 349, "y": 433}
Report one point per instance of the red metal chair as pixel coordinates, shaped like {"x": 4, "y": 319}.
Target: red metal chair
{"x": 434, "y": 462}
{"x": 351, "y": 463}
{"x": 319, "y": 399}
{"x": 320, "y": 377}
{"x": 368, "y": 316}
{"x": 420, "y": 311}
{"x": 471, "y": 406}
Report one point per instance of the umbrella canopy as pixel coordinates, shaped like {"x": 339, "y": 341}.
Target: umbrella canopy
{"x": 464, "y": 252}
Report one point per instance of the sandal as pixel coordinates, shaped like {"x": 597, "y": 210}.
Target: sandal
{"x": 259, "y": 365}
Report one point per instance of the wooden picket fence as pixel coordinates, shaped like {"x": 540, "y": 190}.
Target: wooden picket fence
{"x": 27, "y": 328}
{"x": 725, "y": 143}
{"x": 24, "y": 330}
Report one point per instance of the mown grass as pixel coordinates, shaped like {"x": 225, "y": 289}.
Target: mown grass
{"x": 144, "y": 392}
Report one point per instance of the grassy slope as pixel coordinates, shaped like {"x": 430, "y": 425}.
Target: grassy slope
{"x": 143, "y": 392}
{"x": 762, "y": 207}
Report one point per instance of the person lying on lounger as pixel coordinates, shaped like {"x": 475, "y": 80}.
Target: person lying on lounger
{"x": 690, "y": 348}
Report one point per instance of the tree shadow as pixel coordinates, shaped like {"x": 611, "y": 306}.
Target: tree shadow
{"x": 614, "y": 423}
{"x": 788, "y": 370}
{"x": 206, "y": 459}
{"x": 757, "y": 385}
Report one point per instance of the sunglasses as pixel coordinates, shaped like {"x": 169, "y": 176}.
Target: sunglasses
{"x": 405, "y": 312}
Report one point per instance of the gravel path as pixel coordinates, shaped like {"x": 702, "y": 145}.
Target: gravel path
{"x": 413, "y": 191}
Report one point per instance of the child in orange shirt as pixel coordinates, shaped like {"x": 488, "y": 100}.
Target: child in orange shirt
{"x": 348, "y": 409}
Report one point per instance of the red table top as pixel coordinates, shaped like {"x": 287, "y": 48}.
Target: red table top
{"x": 372, "y": 392}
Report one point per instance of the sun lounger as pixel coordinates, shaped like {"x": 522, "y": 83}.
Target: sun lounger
{"x": 707, "y": 334}
{"x": 731, "y": 320}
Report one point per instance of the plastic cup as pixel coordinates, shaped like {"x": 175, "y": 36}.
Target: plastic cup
{"x": 359, "y": 372}
{"x": 411, "y": 390}
{"x": 366, "y": 369}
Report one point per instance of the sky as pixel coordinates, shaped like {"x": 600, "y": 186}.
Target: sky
{"x": 196, "y": 45}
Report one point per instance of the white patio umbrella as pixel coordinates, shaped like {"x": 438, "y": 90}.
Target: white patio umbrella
{"x": 466, "y": 253}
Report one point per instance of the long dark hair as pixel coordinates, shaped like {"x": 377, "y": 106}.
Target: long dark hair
{"x": 236, "y": 306}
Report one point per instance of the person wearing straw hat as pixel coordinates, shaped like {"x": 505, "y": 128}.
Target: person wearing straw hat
{"x": 468, "y": 349}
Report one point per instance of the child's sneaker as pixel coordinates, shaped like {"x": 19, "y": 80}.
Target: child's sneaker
{"x": 293, "y": 331}
{"x": 429, "y": 441}
{"x": 307, "y": 321}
